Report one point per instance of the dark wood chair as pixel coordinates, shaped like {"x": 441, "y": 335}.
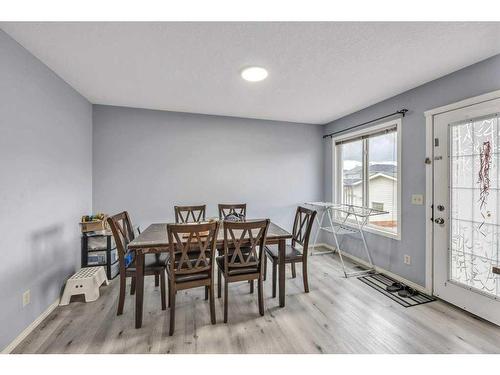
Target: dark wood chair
{"x": 302, "y": 225}
{"x": 239, "y": 210}
{"x": 189, "y": 214}
{"x": 154, "y": 264}
{"x": 243, "y": 265}
{"x": 191, "y": 261}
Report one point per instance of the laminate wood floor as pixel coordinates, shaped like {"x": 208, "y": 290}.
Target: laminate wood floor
{"x": 338, "y": 316}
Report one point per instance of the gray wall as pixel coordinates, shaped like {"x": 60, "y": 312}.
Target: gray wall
{"x": 388, "y": 253}
{"x": 147, "y": 161}
{"x": 46, "y": 169}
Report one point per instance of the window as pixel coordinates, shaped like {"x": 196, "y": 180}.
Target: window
{"x": 367, "y": 174}
{"x": 352, "y": 173}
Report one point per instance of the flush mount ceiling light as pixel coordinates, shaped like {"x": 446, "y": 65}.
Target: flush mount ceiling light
{"x": 254, "y": 74}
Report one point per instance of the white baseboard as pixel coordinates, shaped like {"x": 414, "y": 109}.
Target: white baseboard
{"x": 363, "y": 263}
{"x": 9, "y": 348}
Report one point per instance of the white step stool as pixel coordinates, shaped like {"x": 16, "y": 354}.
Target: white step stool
{"x": 86, "y": 281}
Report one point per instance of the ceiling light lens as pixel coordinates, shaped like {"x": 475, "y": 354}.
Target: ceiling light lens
{"x": 254, "y": 74}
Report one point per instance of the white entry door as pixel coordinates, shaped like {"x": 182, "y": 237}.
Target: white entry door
{"x": 466, "y": 209}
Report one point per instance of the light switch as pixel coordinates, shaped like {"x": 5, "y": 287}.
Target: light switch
{"x": 417, "y": 199}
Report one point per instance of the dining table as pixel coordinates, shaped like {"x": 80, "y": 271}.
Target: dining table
{"x": 155, "y": 240}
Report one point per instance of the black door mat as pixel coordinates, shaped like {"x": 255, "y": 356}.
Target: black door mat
{"x": 380, "y": 282}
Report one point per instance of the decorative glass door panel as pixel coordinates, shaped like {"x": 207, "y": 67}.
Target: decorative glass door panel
{"x": 474, "y": 193}
{"x": 465, "y": 208}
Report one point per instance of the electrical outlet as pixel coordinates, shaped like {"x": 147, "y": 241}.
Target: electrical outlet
{"x": 26, "y": 297}
{"x": 417, "y": 199}
{"x": 407, "y": 259}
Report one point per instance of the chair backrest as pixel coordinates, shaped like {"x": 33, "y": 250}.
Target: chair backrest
{"x": 239, "y": 210}
{"x": 192, "y": 247}
{"x": 189, "y": 214}
{"x": 123, "y": 233}
{"x": 302, "y": 225}
{"x": 244, "y": 243}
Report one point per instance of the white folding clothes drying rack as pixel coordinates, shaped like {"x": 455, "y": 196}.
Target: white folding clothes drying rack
{"x": 344, "y": 219}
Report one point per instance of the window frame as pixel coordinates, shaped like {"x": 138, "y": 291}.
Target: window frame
{"x": 337, "y": 172}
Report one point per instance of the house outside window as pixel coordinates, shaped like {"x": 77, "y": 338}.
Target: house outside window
{"x": 367, "y": 173}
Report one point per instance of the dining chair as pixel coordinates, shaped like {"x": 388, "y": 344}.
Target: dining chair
{"x": 154, "y": 264}
{"x": 239, "y": 211}
{"x": 233, "y": 212}
{"x": 302, "y": 225}
{"x": 189, "y": 214}
{"x": 191, "y": 261}
{"x": 242, "y": 265}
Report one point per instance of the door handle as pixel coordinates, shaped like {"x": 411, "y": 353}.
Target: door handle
{"x": 439, "y": 220}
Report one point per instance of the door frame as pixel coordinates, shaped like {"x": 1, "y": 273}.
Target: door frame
{"x": 429, "y": 167}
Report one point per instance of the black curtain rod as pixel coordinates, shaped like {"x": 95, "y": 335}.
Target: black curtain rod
{"x": 401, "y": 112}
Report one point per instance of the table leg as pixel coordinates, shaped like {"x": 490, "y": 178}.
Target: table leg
{"x": 281, "y": 269}
{"x": 139, "y": 288}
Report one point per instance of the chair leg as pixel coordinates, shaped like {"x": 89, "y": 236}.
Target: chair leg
{"x": 157, "y": 279}
{"x": 304, "y": 275}
{"x": 219, "y": 282}
{"x": 212, "y": 302}
{"x": 260, "y": 292}
{"x": 251, "y": 286}
{"x": 265, "y": 267}
{"x": 132, "y": 286}
{"x": 275, "y": 274}
{"x": 121, "y": 297}
{"x": 162, "y": 290}
{"x": 172, "y": 308}
{"x": 226, "y": 293}
{"x": 168, "y": 291}
{"x": 294, "y": 273}
{"x": 206, "y": 293}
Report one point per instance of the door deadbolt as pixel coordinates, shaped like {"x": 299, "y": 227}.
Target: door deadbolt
{"x": 439, "y": 220}
{"x": 440, "y": 207}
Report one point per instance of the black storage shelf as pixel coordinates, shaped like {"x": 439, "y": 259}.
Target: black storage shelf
{"x": 97, "y": 250}
{"x": 85, "y": 253}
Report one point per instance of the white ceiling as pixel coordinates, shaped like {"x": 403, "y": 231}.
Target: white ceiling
{"x": 318, "y": 72}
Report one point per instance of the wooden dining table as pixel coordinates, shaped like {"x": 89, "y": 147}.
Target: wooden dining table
{"x": 155, "y": 240}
